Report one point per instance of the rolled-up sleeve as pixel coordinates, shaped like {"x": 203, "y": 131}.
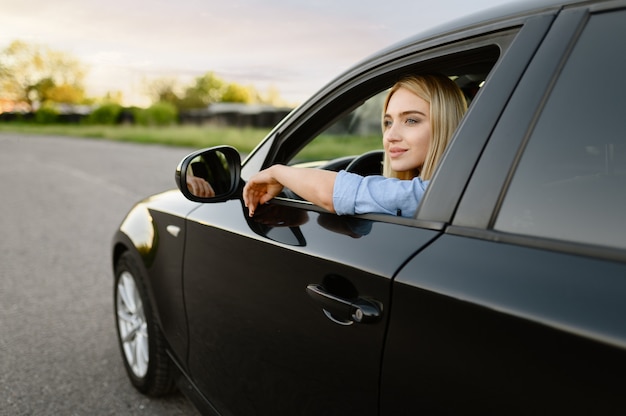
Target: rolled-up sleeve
{"x": 355, "y": 194}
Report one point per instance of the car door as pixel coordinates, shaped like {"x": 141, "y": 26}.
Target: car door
{"x": 518, "y": 307}
{"x": 266, "y": 334}
{"x": 259, "y": 343}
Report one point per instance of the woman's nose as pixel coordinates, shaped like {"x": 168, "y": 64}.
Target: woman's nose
{"x": 391, "y": 135}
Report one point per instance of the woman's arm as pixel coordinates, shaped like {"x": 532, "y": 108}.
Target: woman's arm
{"x": 314, "y": 185}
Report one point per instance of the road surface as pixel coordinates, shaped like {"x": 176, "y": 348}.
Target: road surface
{"x": 60, "y": 202}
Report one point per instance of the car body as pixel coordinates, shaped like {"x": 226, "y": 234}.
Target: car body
{"x": 506, "y": 294}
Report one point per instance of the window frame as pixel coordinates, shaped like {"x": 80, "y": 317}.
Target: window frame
{"x": 343, "y": 99}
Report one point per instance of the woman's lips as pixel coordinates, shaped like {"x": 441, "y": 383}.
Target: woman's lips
{"x": 395, "y": 152}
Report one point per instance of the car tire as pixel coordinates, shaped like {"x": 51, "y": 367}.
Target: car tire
{"x": 140, "y": 339}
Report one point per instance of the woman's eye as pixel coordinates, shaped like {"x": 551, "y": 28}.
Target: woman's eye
{"x": 411, "y": 121}
{"x": 386, "y": 123}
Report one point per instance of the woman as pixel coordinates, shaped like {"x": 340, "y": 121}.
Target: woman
{"x": 419, "y": 116}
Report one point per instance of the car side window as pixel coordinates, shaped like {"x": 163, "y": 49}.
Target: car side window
{"x": 353, "y": 134}
{"x": 570, "y": 183}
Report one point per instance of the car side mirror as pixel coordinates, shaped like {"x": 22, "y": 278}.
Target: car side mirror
{"x": 210, "y": 175}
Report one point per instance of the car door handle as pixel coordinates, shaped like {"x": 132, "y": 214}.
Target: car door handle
{"x": 344, "y": 311}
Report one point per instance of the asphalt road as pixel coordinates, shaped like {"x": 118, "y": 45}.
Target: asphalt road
{"x": 60, "y": 202}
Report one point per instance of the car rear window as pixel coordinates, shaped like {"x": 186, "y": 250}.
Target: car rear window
{"x": 570, "y": 183}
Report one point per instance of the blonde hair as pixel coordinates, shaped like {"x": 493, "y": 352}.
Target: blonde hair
{"x": 447, "y": 106}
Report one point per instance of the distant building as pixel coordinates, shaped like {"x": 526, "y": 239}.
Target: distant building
{"x": 235, "y": 114}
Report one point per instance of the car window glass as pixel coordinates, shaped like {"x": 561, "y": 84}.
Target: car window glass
{"x": 570, "y": 183}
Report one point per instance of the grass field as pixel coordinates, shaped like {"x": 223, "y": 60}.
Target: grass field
{"x": 243, "y": 139}
{"x": 186, "y": 136}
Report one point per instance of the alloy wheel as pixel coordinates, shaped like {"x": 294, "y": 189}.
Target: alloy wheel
{"x": 132, "y": 325}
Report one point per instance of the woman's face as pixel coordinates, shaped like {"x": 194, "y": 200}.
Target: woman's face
{"x": 406, "y": 130}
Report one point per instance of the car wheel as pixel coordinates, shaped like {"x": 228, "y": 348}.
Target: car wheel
{"x": 140, "y": 338}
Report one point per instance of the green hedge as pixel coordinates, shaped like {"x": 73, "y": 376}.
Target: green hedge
{"x": 46, "y": 115}
{"x": 159, "y": 114}
{"x": 106, "y": 114}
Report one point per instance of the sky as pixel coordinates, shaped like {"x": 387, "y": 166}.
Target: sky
{"x": 294, "y": 46}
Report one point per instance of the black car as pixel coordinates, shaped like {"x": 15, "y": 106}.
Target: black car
{"x": 505, "y": 294}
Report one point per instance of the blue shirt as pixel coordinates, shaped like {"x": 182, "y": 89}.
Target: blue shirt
{"x": 356, "y": 194}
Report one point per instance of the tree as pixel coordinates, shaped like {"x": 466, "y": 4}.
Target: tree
{"x": 163, "y": 90}
{"x": 206, "y": 89}
{"x": 272, "y": 97}
{"x": 33, "y": 74}
{"x": 235, "y": 93}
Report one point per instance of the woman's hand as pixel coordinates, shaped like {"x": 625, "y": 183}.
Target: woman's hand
{"x": 199, "y": 187}
{"x": 314, "y": 185}
{"x": 261, "y": 187}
